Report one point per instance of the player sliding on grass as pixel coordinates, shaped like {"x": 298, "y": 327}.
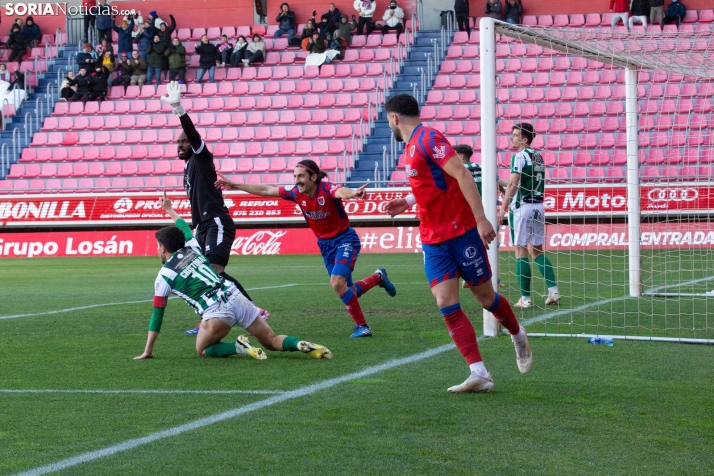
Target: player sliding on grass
{"x": 321, "y": 204}
{"x": 455, "y": 235}
{"x": 215, "y": 229}
{"x": 188, "y": 274}
{"x": 524, "y": 192}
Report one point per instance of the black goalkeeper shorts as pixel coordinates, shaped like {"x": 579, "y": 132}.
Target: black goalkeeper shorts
{"x": 215, "y": 236}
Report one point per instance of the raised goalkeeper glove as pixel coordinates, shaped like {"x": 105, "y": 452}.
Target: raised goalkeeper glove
{"x": 173, "y": 98}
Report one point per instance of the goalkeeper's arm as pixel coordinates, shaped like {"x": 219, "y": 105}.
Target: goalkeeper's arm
{"x": 173, "y": 99}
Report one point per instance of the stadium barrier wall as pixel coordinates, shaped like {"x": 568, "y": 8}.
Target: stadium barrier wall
{"x": 273, "y": 241}
{"x": 91, "y": 210}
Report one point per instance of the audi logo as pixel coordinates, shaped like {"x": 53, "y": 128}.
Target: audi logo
{"x": 673, "y": 194}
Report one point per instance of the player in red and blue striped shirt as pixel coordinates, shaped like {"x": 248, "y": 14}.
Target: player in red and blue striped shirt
{"x": 321, "y": 204}
{"x": 455, "y": 234}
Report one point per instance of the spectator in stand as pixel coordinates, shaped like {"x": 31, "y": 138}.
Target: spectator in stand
{"x": 103, "y": 47}
{"x": 639, "y": 10}
{"x": 224, "y": 50}
{"x": 239, "y": 51}
{"x": 318, "y": 51}
{"x": 107, "y": 60}
{"x": 255, "y": 51}
{"x": 337, "y": 44}
{"x": 365, "y": 10}
{"x": 84, "y": 83}
{"x": 307, "y": 32}
{"x": 18, "y": 80}
{"x": 124, "y": 32}
{"x": 393, "y": 19}
{"x": 155, "y": 20}
{"x": 144, "y": 39}
{"x": 315, "y": 45}
{"x": 334, "y": 13}
{"x": 67, "y": 90}
{"x": 164, "y": 33}
{"x": 286, "y": 23}
{"x": 176, "y": 54}
{"x": 155, "y": 62}
{"x": 514, "y": 10}
{"x": 657, "y": 12}
{"x": 123, "y": 69}
{"x": 18, "y": 44}
{"x": 138, "y": 23}
{"x": 4, "y": 73}
{"x": 675, "y": 13}
{"x": 104, "y": 21}
{"x": 101, "y": 84}
{"x": 19, "y": 22}
{"x": 32, "y": 32}
{"x": 345, "y": 29}
{"x": 208, "y": 58}
{"x": 461, "y": 9}
{"x": 494, "y": 9}
{"x": 89, "y": 9}
{"x": 621, "y": 10}
{"x": 326, "y": 28}
{"x": 86, "y": 57}
{"x": 138, "y": 69}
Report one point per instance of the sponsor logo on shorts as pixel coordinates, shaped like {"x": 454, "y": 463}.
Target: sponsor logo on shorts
{"x": 470, "y": 252}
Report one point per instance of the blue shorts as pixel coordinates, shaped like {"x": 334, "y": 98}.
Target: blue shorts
{"x": 463, "y": 256}
{"x": 340, "y": 254}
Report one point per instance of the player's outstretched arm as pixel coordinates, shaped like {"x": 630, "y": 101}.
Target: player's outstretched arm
{"x": 173, "y": 99}
{"x": 253, "y": 189}
{"x": 166, "y": 206}
{"x": 511, "y": 189}
{"x": 456, "y": 169}
{"x": 346, "y": 193}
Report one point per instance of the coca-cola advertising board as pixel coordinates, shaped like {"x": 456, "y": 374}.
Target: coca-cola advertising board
{"x": 131, "y": 209}
{"x": 374, "y": 240}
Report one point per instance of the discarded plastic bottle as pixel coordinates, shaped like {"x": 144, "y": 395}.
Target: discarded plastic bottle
{"x": 601, "y": 340}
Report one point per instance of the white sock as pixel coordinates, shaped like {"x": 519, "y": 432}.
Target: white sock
{"x": 554, "y": 289}
{"x": 520, "y": 337}
{"x": 479, "y": 369}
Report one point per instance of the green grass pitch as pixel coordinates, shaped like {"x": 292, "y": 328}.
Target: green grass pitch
{"x": 635, "y": 408}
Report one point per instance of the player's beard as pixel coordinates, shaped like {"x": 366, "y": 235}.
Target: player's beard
{"x": 397, "y": 135}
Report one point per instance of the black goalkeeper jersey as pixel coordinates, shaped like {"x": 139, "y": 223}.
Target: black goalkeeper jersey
{"x": 199, "y": 177}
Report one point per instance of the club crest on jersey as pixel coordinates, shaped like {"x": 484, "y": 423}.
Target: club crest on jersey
{"x": 304, "y": 203}
{"x": 412, "y": 150}
{"x": 439, "y": 152}
{"x": 321, "y": 201}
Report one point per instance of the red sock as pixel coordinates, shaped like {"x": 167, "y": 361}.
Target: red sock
{"x": 462, "y": 333}
{"x": 502, "y": 311}
{"x": 367, "y": 283}
{"x": 353, "y": 307}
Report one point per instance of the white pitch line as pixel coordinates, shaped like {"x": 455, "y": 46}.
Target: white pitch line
{"x": 160, "y": 392}
{"x": 93, "y": 306}
{"x": 219, "y": 417}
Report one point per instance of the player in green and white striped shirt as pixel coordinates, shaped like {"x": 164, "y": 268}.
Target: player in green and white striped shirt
{"x": 188, "y": 274}
{"x": 525, "y": 192}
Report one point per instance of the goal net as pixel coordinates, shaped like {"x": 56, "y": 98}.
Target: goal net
{"x": 625, "y": 127}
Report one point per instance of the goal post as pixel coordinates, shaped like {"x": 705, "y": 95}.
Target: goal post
{"x": 625, "y": 124}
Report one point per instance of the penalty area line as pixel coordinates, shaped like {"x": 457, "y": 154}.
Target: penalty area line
{"x": 238, "y": 411}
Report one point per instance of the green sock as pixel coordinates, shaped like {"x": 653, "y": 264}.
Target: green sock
{"x": 221, "y": 349}
{"x": 523, "y": 271}
{"x": 546, "y": 269}
{"x": 290, "y": 344}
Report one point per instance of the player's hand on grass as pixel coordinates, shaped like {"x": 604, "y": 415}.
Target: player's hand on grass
{"x": 223, "y": 182}
{"x": 486, "y": 232}
{"x": 397, "y": 206}
{"x": 145, "y": 355}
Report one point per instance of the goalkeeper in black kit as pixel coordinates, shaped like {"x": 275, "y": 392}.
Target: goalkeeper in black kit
{"x": 213, "y": 227}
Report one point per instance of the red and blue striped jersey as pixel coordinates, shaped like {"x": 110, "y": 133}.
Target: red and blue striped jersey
{"x": 323, "y": 212}
{"x": 443, "y": 209}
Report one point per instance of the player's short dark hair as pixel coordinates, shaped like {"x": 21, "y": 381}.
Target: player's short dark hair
{"x": 312, "y": 167}
{"x": 527, "y": 131}
{"x": 171, "y": 238}
{"x": 464, "y": 150}
{"x": 403, "y": 104}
